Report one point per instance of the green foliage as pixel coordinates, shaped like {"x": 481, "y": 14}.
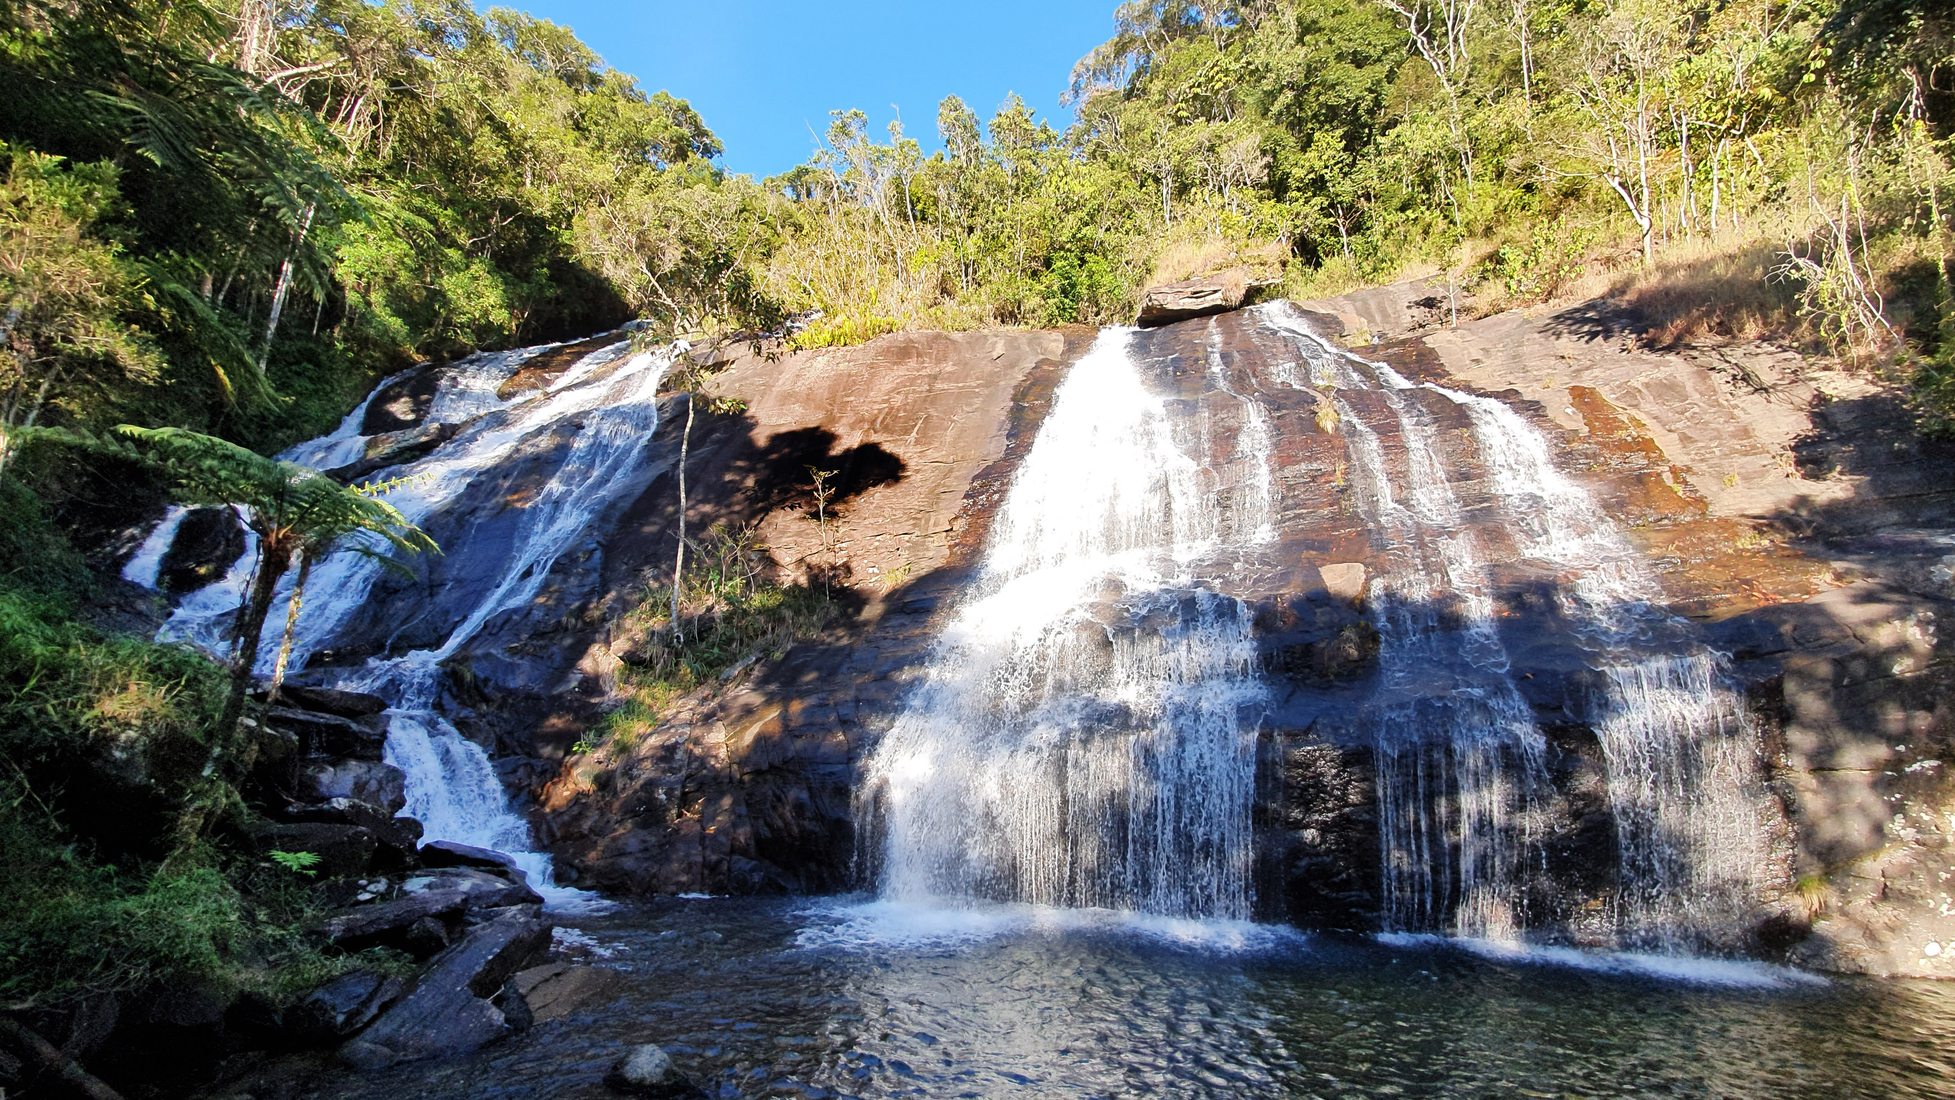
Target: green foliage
{"x": 73, "y": 927}
{"x": 303, "y": 863}
{"x": 732, "y": 615}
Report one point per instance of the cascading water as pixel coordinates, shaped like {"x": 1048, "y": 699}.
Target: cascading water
{"x": 606, "y": 405}
{"x": 144, "y": 566}
{"x": 1084, "y": 735}
{"x": 1459, "y": 759}
{"x": 1676, "y": 739}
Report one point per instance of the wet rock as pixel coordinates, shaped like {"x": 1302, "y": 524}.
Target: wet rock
{"x": 368, "y": 781}
{"x": 1201, "y": 297}
{"x": 207, "y": 543}
{"x": 450, "y": 1008}
{"x": 392, "y": 907}
{"x": 394, "y": 448}
{"x": 341, "y": 1007}
{"x": 646, "y": 1070}
{"x": 449, "y": 853}
{"x": 555, "y": 990}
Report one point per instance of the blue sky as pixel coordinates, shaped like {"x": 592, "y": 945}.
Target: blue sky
{"x": 763, "y": 72}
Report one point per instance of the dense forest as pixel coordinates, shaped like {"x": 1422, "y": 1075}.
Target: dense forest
{"x": 233, "y": 217}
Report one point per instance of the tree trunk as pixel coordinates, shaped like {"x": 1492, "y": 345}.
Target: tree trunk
{"x": 273, "y": 559}
{"x": 291, "y": 625}
{"x": 679, "y": 556}
{"x": 280, "y": 290}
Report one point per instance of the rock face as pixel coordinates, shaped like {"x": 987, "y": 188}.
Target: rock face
{"x": 749, "y": 789}
{"x": 1201, "y": 297}
{"x": 1789, "y": 515}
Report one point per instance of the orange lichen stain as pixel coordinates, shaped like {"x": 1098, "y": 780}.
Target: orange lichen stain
{"x": 1713, "y": 566}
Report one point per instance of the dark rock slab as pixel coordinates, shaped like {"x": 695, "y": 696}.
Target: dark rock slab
{"x": 450, "y": 853}
{"x": 398, "y": 836}
{"x": 341, "y": 1007}
{"x": 325, "y": 700}
{"x": 331, "y": 735}
{"x": 342, "y": 849}
{"x": 449, "y": 1009}
{"x": 207, "y": 542}
{"x": 394, "y": 908}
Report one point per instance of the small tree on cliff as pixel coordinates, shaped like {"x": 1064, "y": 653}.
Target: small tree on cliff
{"x": 298, "y": 514}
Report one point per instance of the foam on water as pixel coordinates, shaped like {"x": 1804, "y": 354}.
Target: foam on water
{"x": 1681, "y": 969}
{"x": 895, "y": 925}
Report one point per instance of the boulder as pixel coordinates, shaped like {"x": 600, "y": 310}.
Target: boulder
{"x": 397, "y": 836}
{"x": 368, "y": 781}
{"x": 207, "y": 542}
{"x": 451, "y": 853}
{"x": 394, "y": 448}
{"x": 1218, "y": 293}
{"x": 342, "y": 849}
{"x": 646, "y": 1070}
{"x": 451, "y": 1008}
{"x": 331, "y": 735}
{"x": 1344, "y": 581}
{"x": 341, "y": 1007}
{"x": 392, "y": 908}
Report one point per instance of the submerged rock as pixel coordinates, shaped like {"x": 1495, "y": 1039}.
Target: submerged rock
{"x": 646, "y": 1070}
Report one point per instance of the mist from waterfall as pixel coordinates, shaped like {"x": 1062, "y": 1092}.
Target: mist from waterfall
{"x": 1084, "y": 733}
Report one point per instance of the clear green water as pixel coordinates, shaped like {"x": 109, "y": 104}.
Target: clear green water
{"x": 793, "y": 999}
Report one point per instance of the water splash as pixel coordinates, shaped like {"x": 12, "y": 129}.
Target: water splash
{"x": 1084, "y": 734}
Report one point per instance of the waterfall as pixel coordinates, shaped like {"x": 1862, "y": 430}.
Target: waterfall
{"x": 1084, "y": 732}
{"x": 606, "y": 405}
{"x": 1677, "y": 742}
{"x": 1459, "y": 759}
{"x": 145, "y": 565}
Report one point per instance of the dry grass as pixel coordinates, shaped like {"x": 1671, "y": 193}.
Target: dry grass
{"x": 1199, "y": 246}
{"x": 1707, "y": 291}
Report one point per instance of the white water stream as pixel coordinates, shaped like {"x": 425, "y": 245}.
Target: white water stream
{"x": 1084, "y": 735}
{"x": 1461, "y": 762}
{"x": 605, "y": 404}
